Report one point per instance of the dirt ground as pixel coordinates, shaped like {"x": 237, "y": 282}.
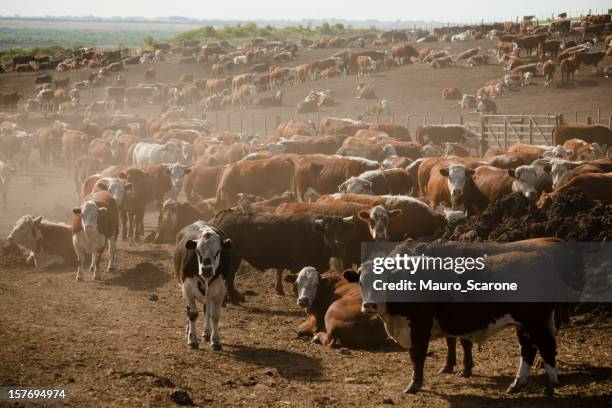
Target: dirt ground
{"x": 122, "y": 342}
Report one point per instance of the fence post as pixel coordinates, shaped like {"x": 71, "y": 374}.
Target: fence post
{"x": 530, "y": 130}
{"x": 560, "y": 119}
{"x": 589, "y": 120}
{"x": 408, "y": 122}
{"x": 425, "y": 119}
{"x": 485, "y": 139}
{"x": 241, "y": 123}
{"x": 317, "y": 124}
{"x": 505, "y": 133}
{"x": 228, "y": 122}
{"x": 265, "y": 124}
{"x": 598, "y": 116}
{"x": 576, "y": 117}
{"x": 441, "y": 119}
{"x": 461, "y": 121}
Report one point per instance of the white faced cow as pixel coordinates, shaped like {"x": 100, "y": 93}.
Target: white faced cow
{"x": 95, "y": 225}
{"x": 201, "y": 266}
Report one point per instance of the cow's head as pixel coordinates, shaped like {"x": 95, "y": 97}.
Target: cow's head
{"x": 176, "y": 172}
{"x": 208, "y": 249}
{"x": 377, "y": 219}
{"x": 89, "y": 212}
{"x": 306, "y": 283}
{"x": 525, "y": 181}
{"x": 356, "y": 185}
{"x": 365, "y": 271}
{"x": 187, "y": 151}
{"x": 334, "y": 230}
{"x": 169, "y": 219}
{"x": 116, "y": 148}
{"x": 26, "y": 232}
{"x": 457, "y": 175}
{"x": 558, "y": 169}
{"x": 592, "y": 152}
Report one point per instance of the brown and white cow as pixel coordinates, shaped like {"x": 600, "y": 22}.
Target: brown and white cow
{"x": 173, "y": 217}
{"x": 594, "y": 186}
{"x": 333, "y": 311}
{"x": 50, "y": 242}
{"x": 95, "y": 226}
{"x": 451, "y": 185}
{"x": 378, "y": 182}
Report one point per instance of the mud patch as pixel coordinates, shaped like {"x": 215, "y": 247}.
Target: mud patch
{"x": 145, "y": 276}
{"x": 11, "y": 256}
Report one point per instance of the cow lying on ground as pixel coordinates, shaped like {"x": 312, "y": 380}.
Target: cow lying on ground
{"x": 202, "y": 267}
{"x": 333, "y": 310}
{"x": 50, "y": 242}
{"x": 595, "y": 186}
{"x": 94, "y": 227}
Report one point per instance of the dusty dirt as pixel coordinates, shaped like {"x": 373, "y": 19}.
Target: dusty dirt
{"x": 122, "y": 342}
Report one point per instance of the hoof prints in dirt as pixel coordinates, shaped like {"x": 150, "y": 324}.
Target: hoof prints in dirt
{"x": 144, "y": 276}
{"x": 571, "y": 217}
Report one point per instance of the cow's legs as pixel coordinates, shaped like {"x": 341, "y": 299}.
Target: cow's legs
{"x": 124, "y": 226}
{"x": 213, "y": 311}
{"x": 112, "y": 248}
{"x": 547, "y": 346}
{"x": 279, "y": 282}
{"x": 80, "y": 262}
{"x": 131, "y": 221}
{"x": 451, "y": 355}
{"x": 468, "y": 362}
{"x": 419, "y": 336}
{"x": 95, "y": 260}
{"x": 192, "y": 313}
{"x": 528, "y": 353}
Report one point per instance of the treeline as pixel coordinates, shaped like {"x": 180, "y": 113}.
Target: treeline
{"x": 251, "y": 30}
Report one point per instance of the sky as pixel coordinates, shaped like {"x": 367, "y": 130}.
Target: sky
{"x": 384, "y": 10}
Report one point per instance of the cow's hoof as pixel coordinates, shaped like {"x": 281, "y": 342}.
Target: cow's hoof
{"x": 206, "y": 337}
{"x": 79, "y": 279}
{"x": 413, "y": 388}
{"x": 217, "y": 347}
{"x": 465, "y": 373}
{"x": 194, "y": 345}
{"x": 446, "y": 370}
{"x": 514, "y": 387}
{"x": 549, "y": 388}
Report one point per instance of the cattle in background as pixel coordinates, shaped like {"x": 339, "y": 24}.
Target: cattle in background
{"x": 493, "y": 183}
{"x": 568, "y": 68}
{"x": 27, "y": 142}
{"x": 5, "y": 177}
{"x": 261, "y": 177}
{"x": 403, "y": 53}
{"x": 333, "y": 311}
{"x": 324, "y": 173}
{"x": 148, "y": 153}
{"x": 440, "y": 134}
{"x": 589, "y": 133}
{"x": 449, "y": 94}
{"x": 548, "y": 70}
{"x": 202, "y": 182}
{"x": 173, "y": 217}
{"x": 49, "y": 142}
{"x": 378, "y": 182}
{"x": 582, "y": 150}
{"x": 594, "y": 186}
{"x": 49, "y": 242}
{"x": 202, "y": 267}
{"x": 95, "y": 225}
{"x": 451, "y": 185}
{"x": 74, "y": 145}
{"x": 341, "y": 126}
{"x": 84, "y": 167}
{"x": 398, "y": 132}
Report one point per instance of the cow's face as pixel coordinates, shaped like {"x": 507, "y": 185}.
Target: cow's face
{"x": 378, "y": 221}
{"x": 187, "y": 151}
{"x": 177, "y": 172}
{"x": 306, "y": 284}
{"x": 593, "y": 152}
{"x": 334, "y": 230}
{"x": 456, "y": 175}
{"x": 89, "y": 213}
{"x": 116, "y": 188}
{"x": 356, "y": 185}
{"x": 208, "y": 250}
{"x": 558, "y": 169}
{"x": 169, "y": 215}
{"x": 26, "y": 232}
{"x": 115, "y": 148}
{"x": 525, "y": 180}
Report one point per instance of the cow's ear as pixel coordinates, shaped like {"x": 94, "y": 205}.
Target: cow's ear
{"x": 191, "y": 244}
{"x": 511, "y": 173}
{"x": 103, "y": 186}
{"x": 102, "y": 210}
{"x": 122, "y": 175}
{"x": 364, "y": 215}
{"x": 547, "y": 168}
{"x": 395, "y": 213}
{"x": 227, "y": 243}
{"x": 128, "y": 186}
{"x": 187, "y": 171}
{"x": 290, "y": 278}
{"x": 76, "y": 210}
{"x": 469, "y": 172}
{"x": 38, "y": 219}
{"x": 350, "y": 275}
{"x": 444, "y": 171}
{"x": 317, "y": 225}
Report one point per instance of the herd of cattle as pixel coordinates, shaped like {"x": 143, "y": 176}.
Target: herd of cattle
{"x": 304, "y": 198}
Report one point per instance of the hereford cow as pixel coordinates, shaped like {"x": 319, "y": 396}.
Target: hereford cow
{"x": 589, "y": 133}
{"x": 261, "y": 177}
{"x": 202, "y": 182}
{"x": 451, "y": 186}
{"x": 440, "y": 134}
{"x": 84, "y": 167}
{"x": 74, "y": 145}
{"x": 94, "y": 227}
{"x": 333, "y": 311}
{"x": 50, "y": 242}
{"x": 594, "y": 186}
{"x": 202, "y": 266}
{"x": 494, "y": 183}
{"x": 378, "y": 182}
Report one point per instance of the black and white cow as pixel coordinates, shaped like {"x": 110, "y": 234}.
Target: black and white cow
{"x": 201, "y": 266}
{"x": 413, "y": 324}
